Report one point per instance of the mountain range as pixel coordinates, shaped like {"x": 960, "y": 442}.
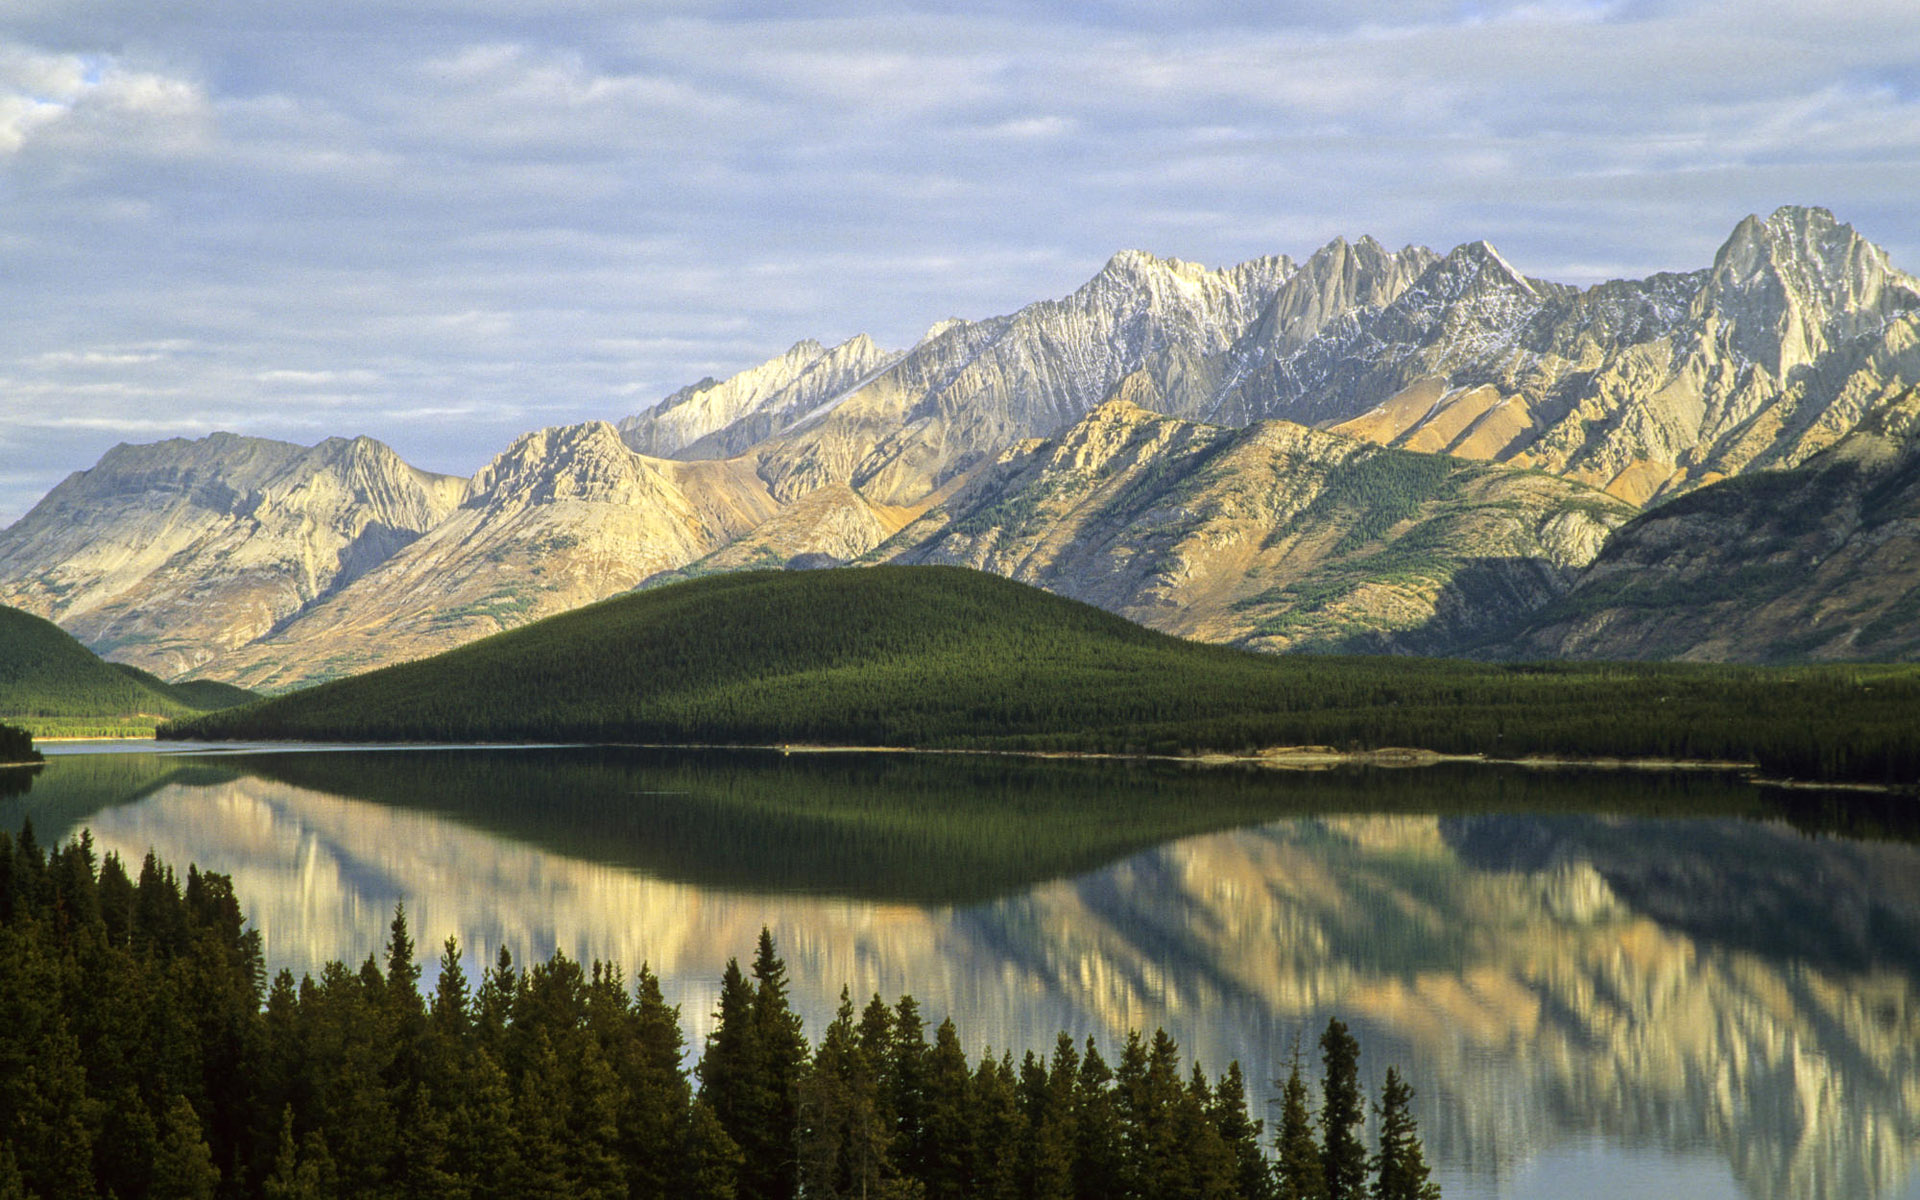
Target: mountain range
{"x": 1377, "y": 450}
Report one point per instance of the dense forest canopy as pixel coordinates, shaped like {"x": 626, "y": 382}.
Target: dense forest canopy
{"x": 51, "y": 684}
{"x": 146, "y": 1055}
{"x": 940, "y": 657}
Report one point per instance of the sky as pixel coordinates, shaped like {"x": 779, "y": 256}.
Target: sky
{"x": 444, "y": 224}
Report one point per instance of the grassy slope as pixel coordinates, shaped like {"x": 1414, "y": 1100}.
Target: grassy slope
{"x": 50, "y": 684}
{"x": 942, "y": 657}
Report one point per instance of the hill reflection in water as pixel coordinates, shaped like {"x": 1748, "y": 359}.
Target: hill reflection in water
{"x": 1654, "y": 964}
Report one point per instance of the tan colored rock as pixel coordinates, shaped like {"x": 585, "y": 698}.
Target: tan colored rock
{"x": 167, "y": 555}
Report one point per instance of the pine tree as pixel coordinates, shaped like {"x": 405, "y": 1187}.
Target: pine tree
{"x": 711, "y": 1164}
{"x": 1098, "y": 1167}
{"x": 1343, "y": 1112}
{"x": 781, "y": 1051}
{"x": 449, "y": 1010}
{"x": 1298, "y": 1174}
{"x": 907, "y": 1084}
{"x": 182, "y": 1164}
{"x": 1241, "y": 1133}
{"x": 946, "y": 1132}
{"x": 1400, "y": 1168}
{"x": 726, "y": 1067}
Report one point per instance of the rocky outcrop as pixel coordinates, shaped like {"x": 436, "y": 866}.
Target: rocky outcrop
{"x": 167, "y": 555}
{"x": 1274, "y": 537}
{"x": 1818, "y": 562}
{"x": 1799, "y": 330}
{"x": 713, "y": 419}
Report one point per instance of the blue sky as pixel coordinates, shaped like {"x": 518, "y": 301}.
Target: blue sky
{"x": 444, "y": 224}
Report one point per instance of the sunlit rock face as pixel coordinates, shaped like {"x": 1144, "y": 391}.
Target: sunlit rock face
{"x": 167, "y": 555}
{"x": 1273, "y": 537}
{"x": 1548, "y": 980}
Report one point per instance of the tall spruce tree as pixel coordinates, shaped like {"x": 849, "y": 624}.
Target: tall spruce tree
{"x": 1241, "y": 1133}
{"x": 1298, "y": 1174}
{"x": 1343, "y": 1114}
{"x": 1400, "y": 1167}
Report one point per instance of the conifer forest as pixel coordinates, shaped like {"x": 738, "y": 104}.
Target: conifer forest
{"x": 144, "y": 1053}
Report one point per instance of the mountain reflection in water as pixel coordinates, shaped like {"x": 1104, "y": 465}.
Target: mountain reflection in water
{"x": 1654, "y": 964}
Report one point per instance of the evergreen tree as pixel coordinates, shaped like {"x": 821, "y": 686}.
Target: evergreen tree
{"x": 182, "y": 1164}
{"x": 998, "y": 1131}
{"x": 1400, "y": 1168}
{"x": 771, "y": 1171}
{"x": 711, "y": 1165}
{"x": 946, "y": 1133}
{"x": 1298, "y": 1174}
{"x": 906, "y": 1077}
{"x": 450, "y": 996}
{"x": 1098, "y": 1166}
{"x": 1343, "y": 1112}
{"x": 1241, "y": 1134}
{"x": 1209, "y": 1170}
{"x": 727, "y": 1066}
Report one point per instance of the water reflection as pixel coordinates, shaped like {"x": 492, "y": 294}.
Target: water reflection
{"x": 1628, "y": 970}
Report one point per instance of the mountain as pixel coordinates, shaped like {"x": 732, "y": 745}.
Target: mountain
{"x": 167, "y": 555}
{"x": 1253, "y": 519}
{"x": 1818, "y": 562}
{"x": 562, "y": 518}
{"x": 50, "y": 683}
{"x": 939, "y": 657}
{"x": 714, "y": 419}
{"x": 1273, "y": 537}
{"x": 1799, "y": 330}
{"x": 970, "y": 389}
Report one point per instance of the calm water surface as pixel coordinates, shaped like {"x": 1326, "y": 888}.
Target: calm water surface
{"x": 1604, "y": 983}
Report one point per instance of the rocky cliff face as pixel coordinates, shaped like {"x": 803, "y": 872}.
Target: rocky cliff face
{"x": 1273, "y": 537}
{"x": 722, "y": 419}
{"x": 1822, "y": 562}
{"x": 970, "y": 389}
{"x": 167, "y": 555}
{"x": 1799, "y": 330}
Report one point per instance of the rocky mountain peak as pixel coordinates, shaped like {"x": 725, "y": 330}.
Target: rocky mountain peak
{"x": 1786, "y": 289}
{"x": 1336, "y": 281}
{"x": 587, "y": 461}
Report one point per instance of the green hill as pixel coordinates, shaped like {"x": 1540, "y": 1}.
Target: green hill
{"x": 939, "y": 657}
{"x": 51, "y": 685}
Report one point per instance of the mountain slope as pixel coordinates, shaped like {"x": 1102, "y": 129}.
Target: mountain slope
{"x": 166, "y": 555}
{"x": 1818, "y": 562}
{"x": 1273, "y": 537}
{"x": 564, "y": 517}
{"x": 49, "y": 681}
{"x": 720, "y": 419}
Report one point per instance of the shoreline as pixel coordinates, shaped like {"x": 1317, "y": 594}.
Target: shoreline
{"x": 1282, "y": 758}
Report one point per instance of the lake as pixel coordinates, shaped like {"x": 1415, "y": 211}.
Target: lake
{"x": 1603, "y": 983}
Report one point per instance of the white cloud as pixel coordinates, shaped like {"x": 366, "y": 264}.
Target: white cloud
{"x": 359, "y": 212}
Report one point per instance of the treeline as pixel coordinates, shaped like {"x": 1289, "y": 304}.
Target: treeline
{"x": 144, "y": 1054}
{"x": 16, "y": 746}
{"x": 939, "y": 657}
{"x": 52, "y": 684}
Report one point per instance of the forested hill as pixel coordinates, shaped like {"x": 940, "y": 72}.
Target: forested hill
{"x": 50, "y": 683}
{"x": 939, "y": 657}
